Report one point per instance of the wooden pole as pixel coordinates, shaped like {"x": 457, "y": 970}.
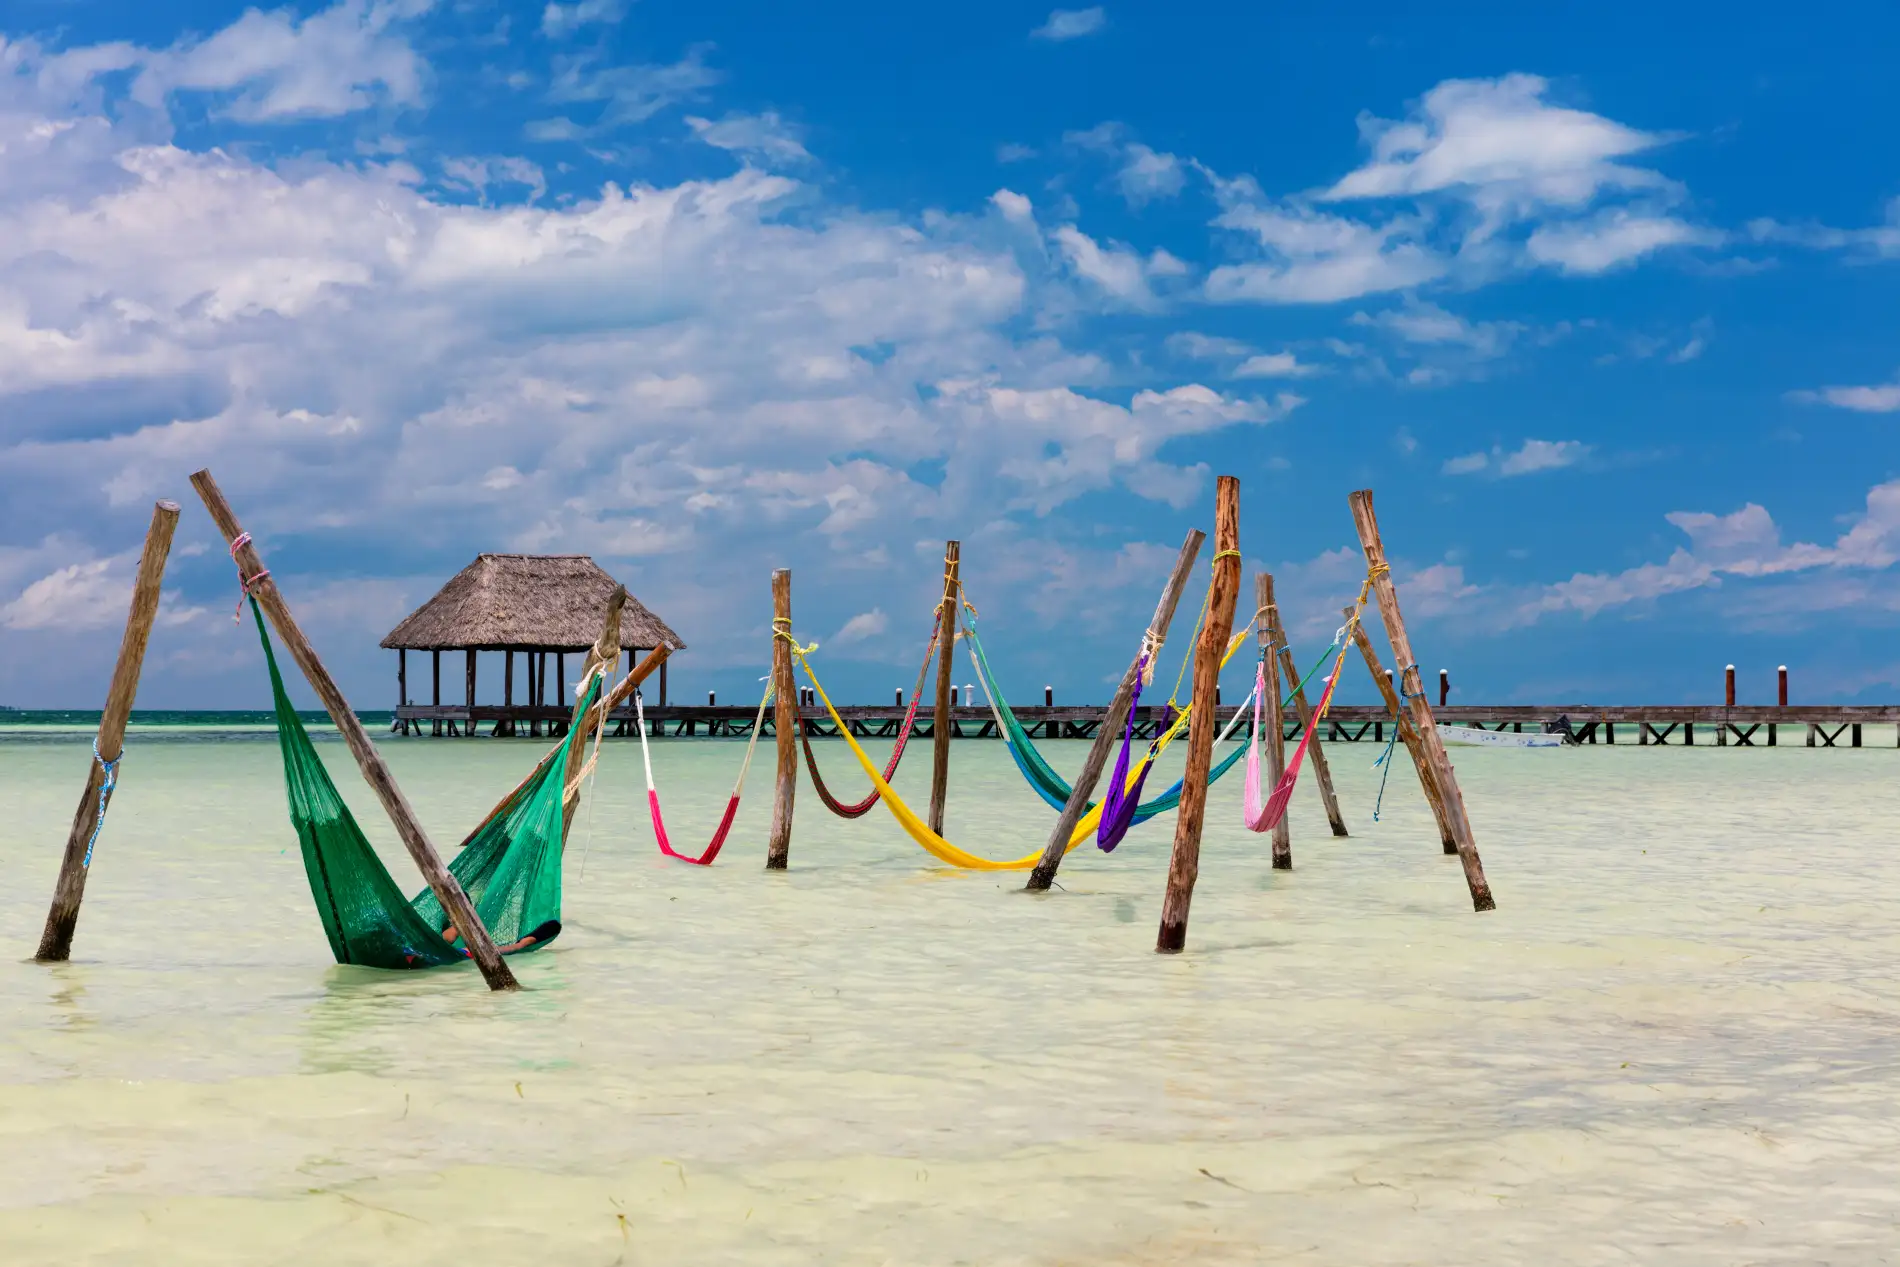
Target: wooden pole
{"x": 1728, "y": 686}
{"x": 1303, "y": 713}
{"x": 1184, "y": 864}
{"x": 448, "y": 890}
{"x": 56, "y": 940}
{"x": 946, "y": 661}
{"x": 1413, "y": 696}
{"x": 1781, "y": 686}
{"x": 1444, "y": 687}
{"x": 785, "y": 723}
{"x": 1044, "y": 873}
{"x": 1409, "y": 736}
{"x": 603, "y": 658}
{"x": 470, "y": 683}
{"x": 1266, "y": 620}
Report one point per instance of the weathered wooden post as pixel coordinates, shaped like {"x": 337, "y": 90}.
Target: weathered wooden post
{"x": 603, "y": 658}
{"x": 1303, "y": 713}
{"x": 435, "y": 697}
{"x": 1048, "y": 696}
{"x": 1266, "y": 620}
{"x": 1413, "y": 696}
{"x": 1781, "y": 686}
{"x": 448, "y": 890}
{"x": 947, "y": 650}
{"x": 785, "y": 723}
{"x": 56, "y": 940}
{"x": 1444, "y": 687}
{"x": 1407, "y": 735}
{"x": 1728, "y": 687}
{"x": 1184, "y": 864}
{"x": 469, "y": 727}
{"x": 1044, "y": 873}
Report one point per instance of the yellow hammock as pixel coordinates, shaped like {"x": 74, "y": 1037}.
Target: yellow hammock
{"x": 942, "y": 849}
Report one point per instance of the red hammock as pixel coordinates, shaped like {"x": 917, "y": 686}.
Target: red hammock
{"x": 860, "y": 808}
{"x": 732, "y": 806}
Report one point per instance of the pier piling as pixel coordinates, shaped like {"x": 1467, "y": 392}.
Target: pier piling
{"x": 62, "y": 918}
{"x": 448, "y": 890}
{"x": 1184, "y": 863}
{"x": 1044, "y": 873}
{"x": 1413, "y": 694}
{"x": 946, "y": 693}
{"x": 785, "y": 723}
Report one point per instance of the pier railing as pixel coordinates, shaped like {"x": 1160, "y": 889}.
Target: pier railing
{"x": 1646, "y": 725}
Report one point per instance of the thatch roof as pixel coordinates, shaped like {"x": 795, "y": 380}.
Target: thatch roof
{"x": 547, "y": 601}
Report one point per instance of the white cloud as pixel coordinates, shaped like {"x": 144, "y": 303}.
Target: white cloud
{"x": 764, "y": 138}
{"x": 1013, "y": 206}
{"x": 272, "y": 66}
{"x": 1426, "y": 323}
{"x": 1070, "y": 24}
{"x": 1114, "y": 269}
{"x": 626, "y": 94}
{"x": 1204, "y": 347}
{"x": 1528, "y": 459}
{"x": 1274, "y": 365}
{"x": 1311, "y": 257}
{"x": 862, "y": 626}
{"x": 1147, "y": 175}
{"x": 1613, "y": 238}
{"x": 1543, "y": 455}
{"x": 561, "y": 20}
{"x": 1497, "y": 134}
{"x": 1883, "y": 399}
{"x": 1746, "y": 544}
{"x": 481, "y": 174}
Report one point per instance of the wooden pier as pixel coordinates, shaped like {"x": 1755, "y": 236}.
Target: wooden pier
{"x": 1644, "y": 725}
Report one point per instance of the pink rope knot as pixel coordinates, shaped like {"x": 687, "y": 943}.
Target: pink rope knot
{"x": 244, "y": 586}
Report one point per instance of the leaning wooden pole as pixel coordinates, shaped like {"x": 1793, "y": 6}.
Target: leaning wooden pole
{"x": 1412, "y": 690}
{"x": 602, "y": 658}
{"x": 448, "y": 890}
{"x": 946, "y": 656}
{"x": 1303, "y": 713}
{"x": 1184, "y": 864}
{"x": 785, "y": 723}
{"x": 56, "y": 942}
{"x": 1044, "y": 872}
{"x": 1266, "y": 619}
{"x": 1408, "y": 735}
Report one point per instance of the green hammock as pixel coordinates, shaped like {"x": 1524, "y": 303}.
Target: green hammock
{"x": 510, "y": 867}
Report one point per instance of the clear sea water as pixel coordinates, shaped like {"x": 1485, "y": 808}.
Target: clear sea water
{"x": 1676, "y": 1041}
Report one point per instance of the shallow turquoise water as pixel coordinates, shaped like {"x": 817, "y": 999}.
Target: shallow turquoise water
{"x": 1674, "y": 1041}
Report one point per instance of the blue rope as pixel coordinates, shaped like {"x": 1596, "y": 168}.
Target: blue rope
{"x": 105, "y": 794}
{"x": 1385, "y": 757}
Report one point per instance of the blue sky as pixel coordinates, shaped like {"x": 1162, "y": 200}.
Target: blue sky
{"x": 1599, "y": 299}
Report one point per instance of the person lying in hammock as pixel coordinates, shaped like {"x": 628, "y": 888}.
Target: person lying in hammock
{"x": 543, "y": 932}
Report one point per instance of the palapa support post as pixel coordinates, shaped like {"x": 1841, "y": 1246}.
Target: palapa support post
{"x": 1407, "y": 734}
{"x": 1412, "y": 689}
{"x": 603, "y": 657}
{"x": 1266, "y": 620}
{"x": 1303, "y": 713}
{"x": 435, "y": 698}
{"x": 470, "y": 723}
{"x": 56, "y": 940}
{"x": 448, "y": 890}
{"x": 1044, "y": 873}
{"x": 785, "y": 723}
{"x": 1184, "y": 864}
{"x": 946, "y": 656}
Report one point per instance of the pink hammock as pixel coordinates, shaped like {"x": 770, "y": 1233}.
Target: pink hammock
{"x": 732, "y": 806}
{"x": 1265, "y": 818}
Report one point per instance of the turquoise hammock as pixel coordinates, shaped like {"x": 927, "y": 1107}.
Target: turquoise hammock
{"x": 510, "y": 867}
{"x": 1036, "y": 770}
{"x": 1040, "y": 775}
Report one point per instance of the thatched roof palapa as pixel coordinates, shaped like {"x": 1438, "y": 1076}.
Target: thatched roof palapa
{"x": 549, "y": 602}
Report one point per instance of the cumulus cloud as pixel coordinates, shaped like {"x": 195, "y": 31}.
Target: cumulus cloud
{"x": 1309, "y": 256}
{"x": 863, "y": 626}
{"x": 1274, "y": 365}
{"x": 1071, "y": 24}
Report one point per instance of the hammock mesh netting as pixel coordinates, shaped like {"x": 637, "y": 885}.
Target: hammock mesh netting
{"x": 510, "y": 867}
